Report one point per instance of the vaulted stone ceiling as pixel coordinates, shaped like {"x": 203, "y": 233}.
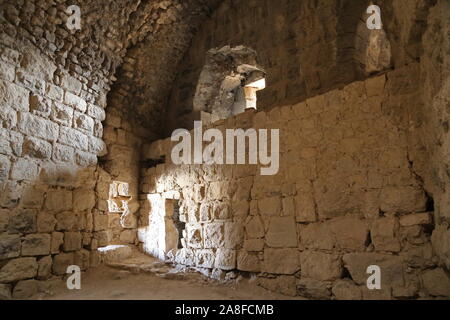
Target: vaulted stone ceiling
{"x": 135, "y": 46}
{"x": 160, "y": 30}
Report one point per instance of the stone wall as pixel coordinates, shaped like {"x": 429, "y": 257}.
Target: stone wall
{"x": 345, "y": 198}
{"x": 51, "y": 129}
{"x": 306, "y": 47}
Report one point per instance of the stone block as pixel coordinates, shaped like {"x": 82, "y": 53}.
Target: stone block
{"x": 62, "y": 153}
{"x": 320, "y": 266}
{"x": 313, "y": 289}
{"x": 247, "y": 261}
{"x": 59, "y": 200}
{"x": 65, "y": 221}
{"x": 40, "y": 105}
{"x": 225, "y": 259}
{"x": 36, "y": 245}
{"x": 45, "y": 267}
{"x": 25, "y": 289}
{"x": 83, "y": 122}
{"x": 351, "y": 233}
{"x": 204, "y": 258}
{"x": 384, "y": 234}
{"x": 24, "y": 169}
{"x": 254, "y": 228}
{"x": 5, "y": 292}
{"x": 73, "y": 138}
{"x": 75, "y": 102}
{"x": 402, "y": 200}
{"x": 416, "y": 219}
{"x": 14, "y": 96}
{"x": 269, "y": 206}
{"x": 346, "y": 290}
{"x": 83, "y": 199}
{"x": 391, "y": 268}
{"x": 18, "y": 269}
{"x": 37, "y": 148}
{"x": 72, "y": 241}
{"x": 436, "y": 282}
{"x": 283, "y": 284}
{"x": 9, "y": 246}
{"x": 234, "y": 235}
{"x": 61, "y": 262}
{"x": 281, "y": 261}
{"x": 96, "y": 112}
{"x": 213, "y": 234}
{"x": 282, "y": 232}
{"x": 305, "y": 208}
{"x": 57, "y": 241}
{"x": 23, "y": 221}
{"x": 5, "y": 166}
{"x": 37, "y": 127}
{"x": 61, "y": 114}
{"x": 254, "y": 245}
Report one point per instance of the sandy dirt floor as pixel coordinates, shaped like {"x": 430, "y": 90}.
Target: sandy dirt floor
{"x": 144, "y": 278}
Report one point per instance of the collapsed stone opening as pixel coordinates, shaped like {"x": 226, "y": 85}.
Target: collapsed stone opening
{"x": 372, "y": 48}
{"x": 228, "y": 83}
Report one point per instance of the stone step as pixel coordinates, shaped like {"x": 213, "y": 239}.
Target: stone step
{"x": 115, "y": 253}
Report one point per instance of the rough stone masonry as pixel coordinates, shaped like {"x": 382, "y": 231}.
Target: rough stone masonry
{"x": 364, "y": 173}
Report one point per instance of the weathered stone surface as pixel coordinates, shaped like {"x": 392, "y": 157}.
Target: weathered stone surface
{"x": 384, "y": 234}
{"x": 254, "y": 245}
{"x": 316, "y": 236}
{"x": 24, "y": 169}
{"x": 61, "y": 262}
{"x": 281, "y": 261}
{"x": 59, "y": 200}
{"x": 5, "y": 292}
{"x": 416, "y": 219}
{"x": 18, "y": 269}
{"x": 254, "y": 228}
{"x": 213, "y": 235}
{"x": 25, "y": 289}
{"x": 391, "y": 268}
{"x": 247, "y": 261}
{"x": 437, "y": 282}
{"x": 283, "y": 284}
{"x": 204, "y": 258}
{"x": 234, "y": 235}
{"x": 314, "y": 289}
{"x": 402, "y": 200}
{"x": 36, "y": 245}
{"x": 83, "y": 199}
{"x": 269, "y": 206}
{"x": 320, "y": 266}
{"x": 23, "y": 221}
{"x": 45, "y": 267}
{"x": 350, "y": 233}
{"x": 9, "y": 246}
{"x": 37, "y": 127}
{"x": 346, "y": 290}
{"x": 225, "y": 259}
{"x": 305, "y": 208}
{"x": 72, "y": 241}
{"x": 65, "y": 221}
{"x": 57, "y": 241}
{"x": 46, "y": 222}
{"x": 14, "y": 96}
{"x": 282, "y": 232}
